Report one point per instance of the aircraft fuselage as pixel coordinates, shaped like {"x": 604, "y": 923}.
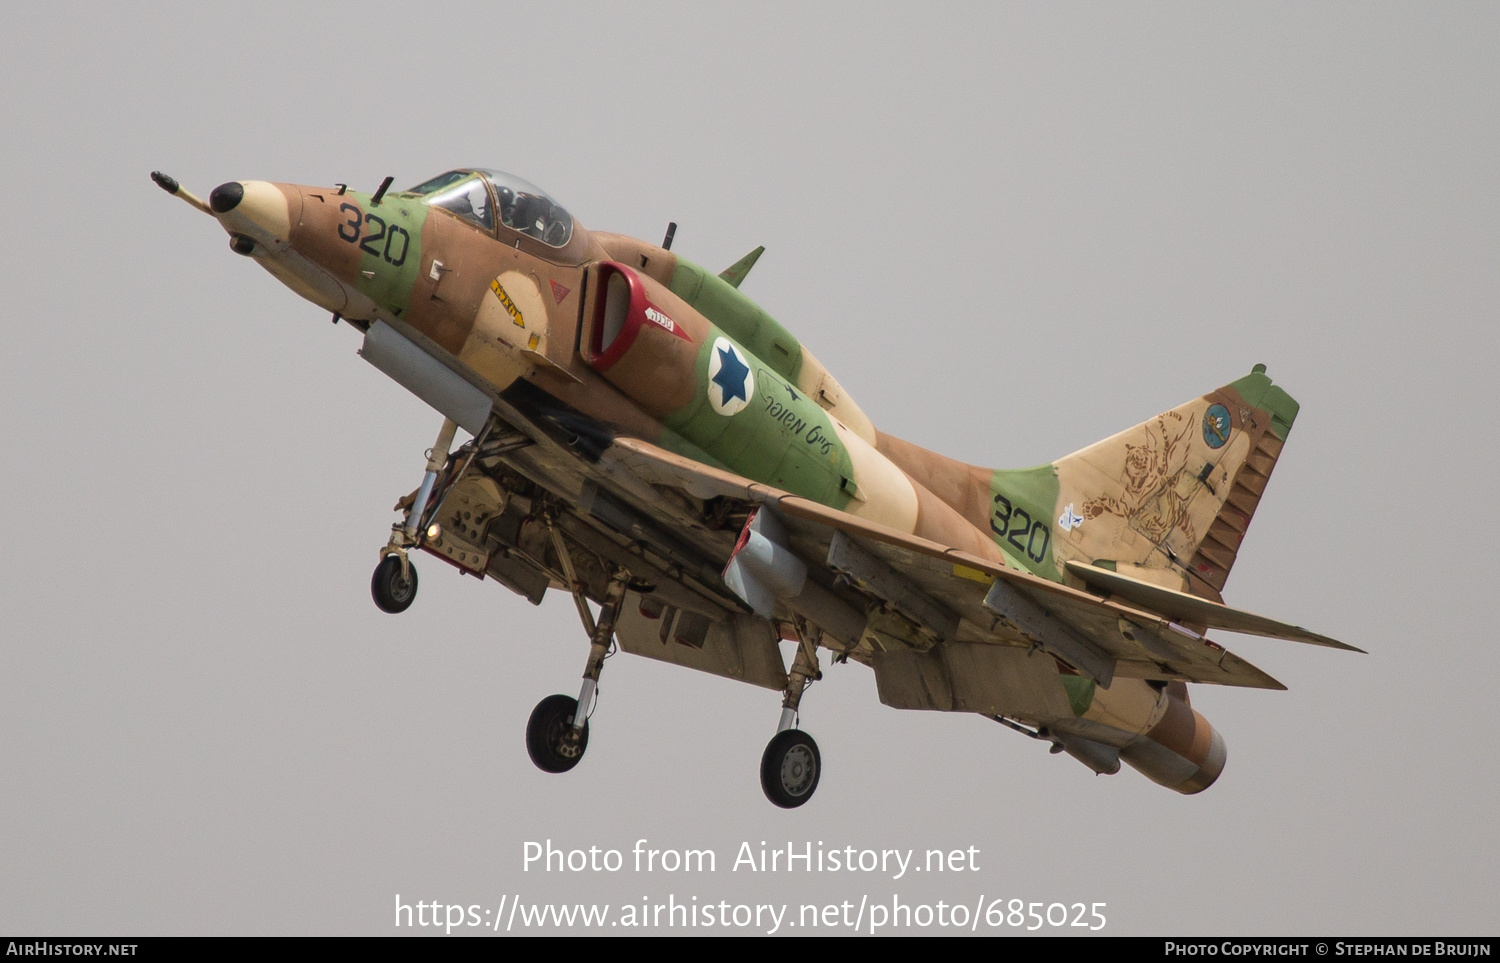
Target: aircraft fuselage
{"x": 475, "y": 288}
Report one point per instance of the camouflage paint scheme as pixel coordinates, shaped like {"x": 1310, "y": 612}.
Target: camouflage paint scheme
{"x": 623, "y": 368}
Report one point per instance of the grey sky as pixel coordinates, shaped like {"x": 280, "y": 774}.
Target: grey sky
{"x": 1009, "y": 230}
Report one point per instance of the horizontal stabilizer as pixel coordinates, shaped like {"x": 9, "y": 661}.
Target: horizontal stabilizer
{"x": 737, "y": 271}
{"x": 1192, "y": 610}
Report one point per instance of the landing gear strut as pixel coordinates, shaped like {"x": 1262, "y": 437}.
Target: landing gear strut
{"x": 791, "y": 765}
{"x": 558, "y": 731}
{"x": 394, "y": 584}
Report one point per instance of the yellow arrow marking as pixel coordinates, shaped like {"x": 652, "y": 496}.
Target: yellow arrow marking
{"x": 515, "y": 312}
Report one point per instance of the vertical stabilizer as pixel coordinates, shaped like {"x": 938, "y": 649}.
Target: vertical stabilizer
{"x": 1169, "y": 500}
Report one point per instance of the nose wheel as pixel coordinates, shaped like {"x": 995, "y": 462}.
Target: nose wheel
{"x": 790, "y": 767}
{"x": 394, "y": 584}
{"x": 552, "y": 741}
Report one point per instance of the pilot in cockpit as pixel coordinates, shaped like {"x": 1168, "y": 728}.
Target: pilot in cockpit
{"x": 520, "y": 206}
{"x": 521, "y": 211}
{"x": 507, "y": 205}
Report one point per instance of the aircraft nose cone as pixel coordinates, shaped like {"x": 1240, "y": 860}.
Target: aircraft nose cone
{"x": 259, "y": 209}
{"x": 226, "y": 197}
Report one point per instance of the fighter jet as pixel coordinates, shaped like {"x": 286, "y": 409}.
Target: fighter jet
{"x": 645, "y": 438}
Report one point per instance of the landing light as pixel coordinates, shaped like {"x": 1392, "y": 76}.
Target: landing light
{"x": 434, "y": 531}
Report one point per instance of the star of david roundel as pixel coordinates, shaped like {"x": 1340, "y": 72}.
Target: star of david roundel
{"x": 730, "y": 385}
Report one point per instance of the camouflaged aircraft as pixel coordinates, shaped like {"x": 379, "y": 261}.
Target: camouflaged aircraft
{"x": 648, "y": 440}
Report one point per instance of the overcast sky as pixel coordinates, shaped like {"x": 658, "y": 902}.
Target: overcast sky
{"x": 1009, "y": 230}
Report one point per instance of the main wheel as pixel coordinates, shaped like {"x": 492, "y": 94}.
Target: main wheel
{"x": 551, "y": 740}
{"x": 393, "y": 591}
{"x": 790, "y": 767}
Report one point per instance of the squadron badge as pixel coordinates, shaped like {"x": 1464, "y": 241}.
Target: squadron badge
{"x": 1216, "y": 426}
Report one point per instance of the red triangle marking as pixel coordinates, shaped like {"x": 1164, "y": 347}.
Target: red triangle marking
{"x": 558, "y": 291}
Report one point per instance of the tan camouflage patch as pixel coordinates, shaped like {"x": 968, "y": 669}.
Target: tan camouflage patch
{"x": 1146, "y": 497}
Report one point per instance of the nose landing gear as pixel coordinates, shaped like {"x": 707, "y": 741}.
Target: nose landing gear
{"x": 394, "y": 584}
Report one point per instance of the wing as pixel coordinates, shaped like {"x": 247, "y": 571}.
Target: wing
{"x": 908, "y": 593}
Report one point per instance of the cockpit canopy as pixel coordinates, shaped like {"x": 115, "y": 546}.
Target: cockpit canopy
{"x": 476, "y": 195}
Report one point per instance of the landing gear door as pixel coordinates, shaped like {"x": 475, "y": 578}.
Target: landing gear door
{"x": 742, "y": 647}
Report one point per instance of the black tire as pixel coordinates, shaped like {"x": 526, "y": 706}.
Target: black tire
{"x": 790, "y": 768}
{"x": 549, "y": 738}
{"x": 392, "y": 592}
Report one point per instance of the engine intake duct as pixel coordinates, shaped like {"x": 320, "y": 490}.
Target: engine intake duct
{"x": 644, "y": 339}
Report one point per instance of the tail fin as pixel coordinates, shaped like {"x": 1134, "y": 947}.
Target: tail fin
{"x": 1169, "y": 500}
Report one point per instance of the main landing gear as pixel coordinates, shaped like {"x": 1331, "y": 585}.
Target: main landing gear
{"x": 552, "y": 741}
{"x": 791, "y": 765}
{"x": 557, "y": 734}
{"x": 789, "y": 768}
{"x": 558, "y": 731}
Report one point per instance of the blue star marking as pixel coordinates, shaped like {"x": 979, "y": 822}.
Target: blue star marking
{"x": 731, "y": 376}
